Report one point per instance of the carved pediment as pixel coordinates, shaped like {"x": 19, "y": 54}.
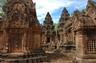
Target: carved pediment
{"x": 17, "y": 24}
{"x": 15, "y": 10}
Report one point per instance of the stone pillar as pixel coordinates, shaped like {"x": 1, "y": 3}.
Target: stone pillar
{"x": 6, "y": 45}
{"x": 79, "y": 45}
{"x": 24, "y": 43}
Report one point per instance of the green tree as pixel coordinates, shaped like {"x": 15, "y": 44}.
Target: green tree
{"x": 1, "y": 14}
{"x": 83, "y": 11}
{"x": 56, "y": 26}
{"x": 2, "y": 2}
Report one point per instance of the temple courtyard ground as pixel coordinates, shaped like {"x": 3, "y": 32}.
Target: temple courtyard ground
{"x": 61, "y": 57}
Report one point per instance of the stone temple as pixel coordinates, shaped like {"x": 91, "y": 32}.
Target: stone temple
{"x": 80, "y": 29}
{"x": 20, "y": 30}
{"x": 24, "y": 40}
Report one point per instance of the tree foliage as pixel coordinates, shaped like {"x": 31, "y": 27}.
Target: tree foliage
{"x": 1, "y": 14}
{"x": 83, "y": 11}
{"x": 56, "y": 26}
{"x": 2, "y": 2}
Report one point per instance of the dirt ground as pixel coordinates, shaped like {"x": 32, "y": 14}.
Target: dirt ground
{"x": 60, "y": 58}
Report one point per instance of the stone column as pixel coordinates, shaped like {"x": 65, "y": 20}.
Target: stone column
{"x": 24, "y": 43}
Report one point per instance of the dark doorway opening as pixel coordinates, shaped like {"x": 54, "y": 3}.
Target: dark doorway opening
{"x": 48, "y": 39}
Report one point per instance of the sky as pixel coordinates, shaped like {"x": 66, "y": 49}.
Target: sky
{"x": 55, "y": 7}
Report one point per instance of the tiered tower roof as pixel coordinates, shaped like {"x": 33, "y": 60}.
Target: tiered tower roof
{"x": 64, "y": 16}
{"x": 48, "y": 19}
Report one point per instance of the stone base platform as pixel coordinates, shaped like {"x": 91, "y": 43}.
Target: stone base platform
{"x": 79, "y": 60}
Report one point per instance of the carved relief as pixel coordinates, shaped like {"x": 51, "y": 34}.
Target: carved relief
{"x": 19, "y": 17}
{"x": 15, "y": 10}
{"x": 19, "y": 11}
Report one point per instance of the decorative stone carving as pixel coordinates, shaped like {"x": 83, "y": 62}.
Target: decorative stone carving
{"x": 48, "y": 29}
{"x": 20, "y": 25}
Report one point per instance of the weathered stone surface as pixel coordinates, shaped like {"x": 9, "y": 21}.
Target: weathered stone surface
{"x": 21, "y": 31}
{"x": 48, "y": 32}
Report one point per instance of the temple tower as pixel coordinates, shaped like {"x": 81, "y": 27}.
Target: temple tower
{"x": 63, "y": 19}
{"x": 91, "y": 8}
{"x": 48, "y": 29}
{"x": 15, "y": 25}
{"x": 22, "y": 29}
{"x": 34, "y": 30}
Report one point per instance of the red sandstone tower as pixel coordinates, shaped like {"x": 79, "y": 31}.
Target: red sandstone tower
{"x": 48, "y": 29}
{"x": 21, "y": 29}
